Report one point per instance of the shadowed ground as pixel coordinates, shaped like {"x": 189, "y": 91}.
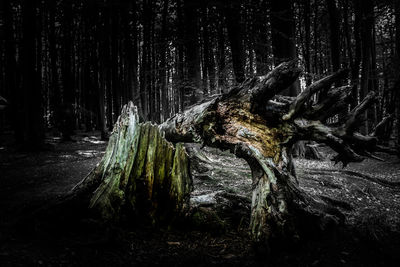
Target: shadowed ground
{"x": 368, "y": 194}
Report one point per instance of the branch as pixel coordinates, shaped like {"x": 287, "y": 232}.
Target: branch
{"x": 316, "y": 131}
{"x": 182, "y": 126}
{"x": 304, "y": 96}
{"x": 263, "y": 88}
{"x": 380, "y": 127}
{"x": 354, "y": 115}
{"x": 336, "y": 101}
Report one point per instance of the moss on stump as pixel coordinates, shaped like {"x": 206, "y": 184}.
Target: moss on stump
{"x": 141, "y": 173}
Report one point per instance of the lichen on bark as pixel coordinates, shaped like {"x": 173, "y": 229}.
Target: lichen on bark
{"x": 141, "y": 173}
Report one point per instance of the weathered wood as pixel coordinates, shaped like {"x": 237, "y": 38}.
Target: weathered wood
{"x": 304, "y": 96}
{"x": 260, "y": 127}
{"x": 141, "y": 173}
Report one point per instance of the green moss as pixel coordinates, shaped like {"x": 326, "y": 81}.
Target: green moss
{"x": 142, "y": 171}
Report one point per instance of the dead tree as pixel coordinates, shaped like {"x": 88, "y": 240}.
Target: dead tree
{"x": 254, "y": 122}
{"x": 144, "y": 172}
{"x": 141, "y": 175}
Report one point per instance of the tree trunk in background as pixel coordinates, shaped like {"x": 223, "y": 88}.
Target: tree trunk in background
{"x": 10, "y": 70}
{"x": 367, "y": 24}
{"x": 180, "y": 89}
{"x": 115, "y": 77}
{"x": 355, "y": 69}
{"x": 260, "y": 36}
{"x": 221, "y": 52}
{"x": 135, "y": 55}
{"x": 55, "y": 99}
{"x": 397, "y": 23}
{"x": 31, "y": 117}
{"x": 192, "y": 47}
{"x": 97, "y": 59}
{"x": 67, "y": 112}
{"x": 335, "y": 42}
{"x": 307, "y": 41}
{"x": 235, "y": 35}
{"x": 283, "y": 36}
{"x": 206, "y": 49}
{"x": 211, "y": 56}
{"x": 334, "y": 30}
{"x": 145, "y": 76}
{"x": 397, "y": 54}
{"x": 163, "y": 67}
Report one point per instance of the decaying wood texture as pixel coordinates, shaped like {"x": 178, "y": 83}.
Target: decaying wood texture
{"x": 141, "y": 171}
{"x": 257, "y": 124}
{"x": 140, "y": 174}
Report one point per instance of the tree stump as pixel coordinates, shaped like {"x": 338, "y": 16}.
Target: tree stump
{"x": 141, "y": 174}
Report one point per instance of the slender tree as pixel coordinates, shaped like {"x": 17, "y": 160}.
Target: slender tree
{"x": 192, "y": 47}
{"x": 283, "y": 35}
{"x": 31, "y": 115}
{"x": 235, "y": 35}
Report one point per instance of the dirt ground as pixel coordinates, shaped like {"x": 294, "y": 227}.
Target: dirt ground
{"x": 368, "y": 194}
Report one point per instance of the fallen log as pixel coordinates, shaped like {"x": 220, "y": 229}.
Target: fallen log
{"x": 142, "y": 173}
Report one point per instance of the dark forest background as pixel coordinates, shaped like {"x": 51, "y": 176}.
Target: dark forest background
{"x": 69, "y": 65}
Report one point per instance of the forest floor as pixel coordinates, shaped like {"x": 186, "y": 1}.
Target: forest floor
{"x": 368, "y": 194}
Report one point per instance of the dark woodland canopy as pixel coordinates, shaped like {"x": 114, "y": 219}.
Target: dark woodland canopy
{"x": 68, "y": 65}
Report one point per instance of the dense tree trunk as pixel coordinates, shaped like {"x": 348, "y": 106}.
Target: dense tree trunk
{"x": 115, "y": 74}
{"x": 31, "y": 117}
{"x": 180, "y": 89}
{"x": 163, "y": 63}
{"x": 307, "y": 41}
{"x": 334, "y": 30}
{"x": 145, "y": 83}
{"x": 260, "y": 36}
{"x": 55, "y": 99}
{"x": 235, "y": 35}
{"x": 67, "y": 110}
{"x": 397, "y": 85}
{"x": 283, "y": 36}
{"x": 192, "y": 47}
{"x": 10, "y": 69}
{"x": 367, "y": 13}
{"x": 221, "y": 53}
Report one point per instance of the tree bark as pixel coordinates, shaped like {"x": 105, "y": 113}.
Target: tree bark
{"x": 31, "y": 115}
{"x": 307, "y": 41}
{"x": 283, "y": 36}
{"x": 67, "y": 112}
{"x": 192, "y": 47}
{"x": 221, "y": 53}
{"x": 234, "y": 27}
{"x": 141, "y": 175}
{"x": 250, "y": 121}
{"x": 334, "y": 30}
{"x": 396, "y": 87}
{"x": 367, "y": 24}
{"x": 10, "y": 69}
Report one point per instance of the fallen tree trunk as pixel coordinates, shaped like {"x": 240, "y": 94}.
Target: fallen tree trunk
{"x": 257, "y": 124}
{"x": 143, "y": 173}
